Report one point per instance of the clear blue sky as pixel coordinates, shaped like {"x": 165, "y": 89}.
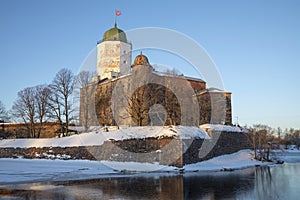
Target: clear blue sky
{"x": 255, "y": 45}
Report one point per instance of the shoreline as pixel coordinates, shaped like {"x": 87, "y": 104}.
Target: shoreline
{"x": 23, "y": 171}
{"x": 46, "y": 170}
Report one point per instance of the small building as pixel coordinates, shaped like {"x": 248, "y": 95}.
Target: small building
{"x": 22, "y": 130}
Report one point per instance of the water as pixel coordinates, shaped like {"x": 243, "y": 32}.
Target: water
{"x": 280, "y": 182}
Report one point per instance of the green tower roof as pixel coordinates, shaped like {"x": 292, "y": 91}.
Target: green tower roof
{"x": 114, "y": 34}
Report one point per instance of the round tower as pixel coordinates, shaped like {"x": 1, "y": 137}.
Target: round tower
{"x": 141, "y": 62}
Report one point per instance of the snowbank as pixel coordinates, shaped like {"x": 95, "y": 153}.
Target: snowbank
{"x": 238, "y": 160}
{"x": 218, "y": 127}
{"x": 99, "y": 134}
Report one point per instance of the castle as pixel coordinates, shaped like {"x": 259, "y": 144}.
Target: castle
{"x": 136, "y": 94}
{"x": 125, "y": 94}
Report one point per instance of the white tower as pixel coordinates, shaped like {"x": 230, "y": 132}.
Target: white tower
{"x": 113, "y": 54}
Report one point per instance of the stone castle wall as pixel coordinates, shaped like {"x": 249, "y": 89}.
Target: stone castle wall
{"x": 166, "y": 151}
{"x": 226, "y": 143}
{"x": 132, "y": 101}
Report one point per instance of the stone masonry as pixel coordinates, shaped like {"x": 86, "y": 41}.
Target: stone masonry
{"x": 166, "y": 151}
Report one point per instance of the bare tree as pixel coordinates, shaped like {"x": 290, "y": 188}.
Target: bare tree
{"x": 62, "y": 88}
{"x": 260, "y": 136}
{"x": 279, "y": 132}
{"x": 3, "y": 116}
{"x": 292, "y": 137}
{"x": 172, "y": 72}
{"x": 153, "y": 104}
{"x": 56, "y": 112}
{"x": 3, "y": 112}
{"x": 24, "y": 109}
{"x": 84, "y": 78}
{"x": 83, "y": 92}
{"x": 138, "y": 106}
{"x": 42, "y": 94}
{"x": 145, "y": 98}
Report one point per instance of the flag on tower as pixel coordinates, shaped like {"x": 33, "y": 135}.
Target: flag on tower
{"x": 118, "y": 12}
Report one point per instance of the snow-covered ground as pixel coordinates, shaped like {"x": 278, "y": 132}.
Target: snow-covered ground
{"x": 33, "y": 170}
{"x": 238, "y": 160}
{"x": 26, "y": 170}
{"x": 98, "y": 135}
{"x": 219, "y": 127}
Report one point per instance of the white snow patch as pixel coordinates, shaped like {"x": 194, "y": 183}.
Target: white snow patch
{"x": 99, "y": 134}
{"x": 219, "y": 127}
{"x": 25, "y": 170}
{"x": 137, "y": 167}
{"x": 238, "y": 160}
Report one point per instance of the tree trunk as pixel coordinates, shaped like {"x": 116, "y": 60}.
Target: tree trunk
{"x": 67, "y": 116}
{"x": 254, "y": 145}
{"x": 268, "y": 153}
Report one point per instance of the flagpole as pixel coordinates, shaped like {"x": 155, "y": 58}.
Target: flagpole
{"x": 115, "y": 18}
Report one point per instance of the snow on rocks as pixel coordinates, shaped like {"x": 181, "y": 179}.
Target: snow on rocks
{"x": 219, "y": 127}
{"x": 98, "y": 135}
{"x": 183, "y": 132}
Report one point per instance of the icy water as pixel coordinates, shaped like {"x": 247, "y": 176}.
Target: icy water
{"x": 280, "y": 182}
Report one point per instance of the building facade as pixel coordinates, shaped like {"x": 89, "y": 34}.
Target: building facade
{"x": 137, "y": 95}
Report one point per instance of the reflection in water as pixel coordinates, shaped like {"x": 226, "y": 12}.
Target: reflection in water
{"x": 218, "y": 185}
{"x": 254, "y": 183}
{"x": 275, "y": 183}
